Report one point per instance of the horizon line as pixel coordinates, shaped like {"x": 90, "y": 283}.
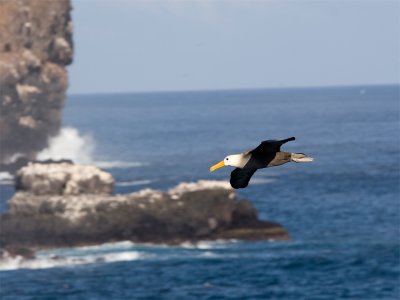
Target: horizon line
{"x": 237, "y": 89}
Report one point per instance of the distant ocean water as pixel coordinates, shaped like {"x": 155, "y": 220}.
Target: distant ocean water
{"x": 342, "y": 210}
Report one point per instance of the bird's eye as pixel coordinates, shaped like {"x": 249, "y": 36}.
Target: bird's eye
{"x": 227, "y": 158}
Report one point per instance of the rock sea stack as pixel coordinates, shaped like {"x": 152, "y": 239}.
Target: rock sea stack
{"x": 64, "y": 204}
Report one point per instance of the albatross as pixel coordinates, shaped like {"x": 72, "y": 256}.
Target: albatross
{"x": 267, "y": 154}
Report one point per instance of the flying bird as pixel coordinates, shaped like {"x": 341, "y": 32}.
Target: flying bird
{"x": 267, "y": 154}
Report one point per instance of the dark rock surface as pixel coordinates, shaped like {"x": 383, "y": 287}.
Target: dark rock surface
{"x": 35, "y": 47}
{"x": 8, "y": 252}
{"x": 188, "y": 212}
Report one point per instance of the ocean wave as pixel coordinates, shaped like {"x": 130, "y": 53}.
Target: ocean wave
{"x": 128, "y": 245}
{"x": 207, "y": 245}
{"x": 209, "y": 254}
{"x": 117, "y": 164}
{"x": 80, "y": 148}
{"x": 69, "y": 144}
{"x": 14, "y": 158}
{"x": 201, "y": 245}
{"x": 53, "y": 261}
{"x": 134, "y": 182}
{"x": 106, "y": 246}
{"x": 114, "y": 252}
{"x": 6, "y": 178}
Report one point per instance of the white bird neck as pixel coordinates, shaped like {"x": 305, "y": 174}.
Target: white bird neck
{"x": 239, "y": 160}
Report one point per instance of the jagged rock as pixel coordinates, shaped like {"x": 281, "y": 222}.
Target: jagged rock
{"x": 10, "y": 252}
{"x": 35, "y": 47}
{"x": 61, "y": 51}
{"x": 190, "y": 211}
{"x": 63, "y": 179}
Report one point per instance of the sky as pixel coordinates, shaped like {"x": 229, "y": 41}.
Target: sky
{"x": 161, "y": 45}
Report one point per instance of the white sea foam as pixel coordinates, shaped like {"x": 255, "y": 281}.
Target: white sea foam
{"x": 107, "y": 246}
{"x": 45, "y": 262}
{"x": 111, "y": 252}
{"x": 70, "y": 144}
{"x": 117, "y": 164}
{"x": 207, "y": 245}
{"x": 209, "y": 254}
{"x": 13, "y": 158}
{"x": 6, "y": 178}
{"x": 185, "y": 187}
{"x": 134, "y": 182}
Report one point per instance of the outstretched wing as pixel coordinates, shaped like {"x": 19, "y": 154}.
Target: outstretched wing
{"x": 240, "y": 177}
{"x": 271, "y": 146}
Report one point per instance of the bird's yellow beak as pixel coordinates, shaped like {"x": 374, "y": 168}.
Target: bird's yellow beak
{"x": 217, "y": 166}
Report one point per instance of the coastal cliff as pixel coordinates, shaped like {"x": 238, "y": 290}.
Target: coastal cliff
{"x": 35, "y": 48}
{"x": 68, "y": 205}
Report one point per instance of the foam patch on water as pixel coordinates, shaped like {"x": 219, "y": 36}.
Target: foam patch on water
{"x": 107, "y": 246}
{"x": 134, "y": 182}
{"x": 6, "y": 178}
{"x": 114, "y": 252}
{"x": 207, "y": 245}
{"x": 45, "y": 262}
{"x": 185, "y": 187}
{"x": 14, "y": 158}
{"x": 70, "y": 144}
{"x": 209, "y": 254}
{"x": 117, "y": 164}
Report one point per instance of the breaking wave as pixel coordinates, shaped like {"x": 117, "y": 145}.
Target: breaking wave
{"x": 115, "y": 252}
{"x": 107, "y": 246}
{"x": 70, "y": 144}
{"x": 6, "y": 178}
{"x": 208, "y": 245}
{"x": 45, "y": 262}
{"x": 14, "y": 158}
{"x": 134, "y": 182}
{"x": 117, "y": 164}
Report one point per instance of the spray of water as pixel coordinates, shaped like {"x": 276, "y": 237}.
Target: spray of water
{"x": 69, "y": 144}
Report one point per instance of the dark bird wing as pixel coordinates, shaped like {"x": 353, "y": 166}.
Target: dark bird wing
{"x": 240, "y": 178}
{"x": 261, "y": 157}
{"x": 271, "y": 146}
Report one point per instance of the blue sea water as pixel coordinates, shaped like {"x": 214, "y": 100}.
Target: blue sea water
{"x": 342, "y": 211}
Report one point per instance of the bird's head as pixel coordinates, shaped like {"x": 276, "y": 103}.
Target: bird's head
{"x": 234, "y": 160}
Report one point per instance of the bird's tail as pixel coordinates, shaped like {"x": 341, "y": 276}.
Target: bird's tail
{"x": 287, "y": 140}
{"x": 300, "y": 157}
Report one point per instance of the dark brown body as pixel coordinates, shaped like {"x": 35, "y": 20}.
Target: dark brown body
{"x": 279, "y": 159}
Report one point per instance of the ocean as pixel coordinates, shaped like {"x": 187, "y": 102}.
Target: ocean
{"x": 342, "y": 211}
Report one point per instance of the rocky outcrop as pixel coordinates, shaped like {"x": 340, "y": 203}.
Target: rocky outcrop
{"x": 24, "y": 253}
{"x": 35, "y": 46}
{"x": 63, "y": 178}
{"x": 188, "y": 212}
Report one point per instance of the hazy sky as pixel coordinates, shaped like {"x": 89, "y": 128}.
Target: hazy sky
{"x": 128, "y": 45}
